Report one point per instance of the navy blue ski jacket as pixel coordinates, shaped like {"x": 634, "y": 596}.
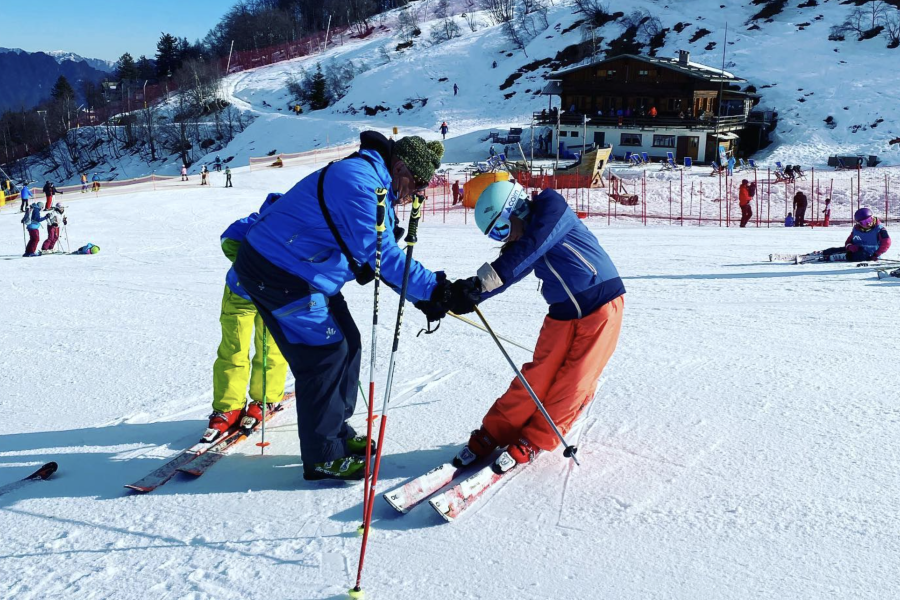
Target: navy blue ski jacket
{"x": 577, "y": 275}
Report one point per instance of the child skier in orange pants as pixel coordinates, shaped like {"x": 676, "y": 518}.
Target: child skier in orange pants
{"x": 579, "y": 335}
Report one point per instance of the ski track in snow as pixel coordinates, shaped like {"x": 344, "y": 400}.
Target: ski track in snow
{"x": 738, "y": 446}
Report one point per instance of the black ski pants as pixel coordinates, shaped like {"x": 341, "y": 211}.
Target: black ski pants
{"x": 326, "y": 375}
{"x": 746, "y": 213}
{"x": 800, "y": 216}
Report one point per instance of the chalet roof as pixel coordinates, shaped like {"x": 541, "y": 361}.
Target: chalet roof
{"x": 691, "y": 69}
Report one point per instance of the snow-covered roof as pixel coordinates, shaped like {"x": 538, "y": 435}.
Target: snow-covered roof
{"x": 692, "y": 69}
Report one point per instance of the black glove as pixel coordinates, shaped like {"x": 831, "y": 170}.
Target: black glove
{"x": 437, "y": 306}
{"x": 464, "y": 295}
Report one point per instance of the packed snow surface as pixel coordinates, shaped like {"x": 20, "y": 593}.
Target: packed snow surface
{"x": 742, "y": 443}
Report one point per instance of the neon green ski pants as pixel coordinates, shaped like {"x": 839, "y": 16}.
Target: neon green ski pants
{"x": 241, "y": 326}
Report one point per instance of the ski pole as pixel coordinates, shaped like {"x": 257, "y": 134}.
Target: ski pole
{"x": 569, "y": 451}
{"x": 66, "y": 230}
{"x": 477, "y": 326}
{"x": 380, "y": 212}
{"x": 263, "y": 443}
{"x": 411, "y": 239}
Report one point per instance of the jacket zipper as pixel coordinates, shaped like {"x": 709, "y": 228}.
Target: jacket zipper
{"x": 565, "y": 287}
{"x": 579, "y": 256}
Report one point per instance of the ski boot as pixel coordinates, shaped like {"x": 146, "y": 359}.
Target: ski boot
{"x": 221, "y": 422}
{"x": 349, "y": 468}
{"x": 254, "y": 414}
{"x": 481, "y": 444}
{"x": 357, "y": 446}
{"x": 523, "y": 451}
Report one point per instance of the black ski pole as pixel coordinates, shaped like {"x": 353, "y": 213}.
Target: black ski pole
{"x": 569, "y": 451}
{"x": 411, "y": 239}
{"x": 380, "y": 212}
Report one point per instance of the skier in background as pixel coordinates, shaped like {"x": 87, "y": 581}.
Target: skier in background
{"x": 228, "y": 177}
{"x": 204, "y": 174}
{"x": 184, "y": 175}
{"x": 789, "y": 220}
{"x": 457, "y": 193}
{"x": 32, "y": 221}
{"x": 868, "y": 239}
{"x": 579, "y": 334}
{"x": 300, "y": 299}
{"x": 25, "y": 194}
{"x": 455, "y": 89}
{"x": 83, "y": 183}
{"x": 444, "y": 129}
{"x": 54, "y": 217}
{"x": 800, "y": 203}
{"x": 218, "y": 164}
{"x": 49, "y": 191}
{"x": 745, "y": 198}
{"x": 242, "y": 327}
{"x": 95, "y": 183}
{"x": 827, "y": 212}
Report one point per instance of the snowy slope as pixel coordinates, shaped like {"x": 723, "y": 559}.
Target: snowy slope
{"x": 742, "y": 444}
{"x": 850, "y": 81}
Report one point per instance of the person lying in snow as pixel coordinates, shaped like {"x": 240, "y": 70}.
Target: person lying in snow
{"x": 579, "y": 334}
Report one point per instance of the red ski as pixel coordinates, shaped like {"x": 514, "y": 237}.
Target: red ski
{"x": 455, "y": 501}
{"x": 41, "y": 474}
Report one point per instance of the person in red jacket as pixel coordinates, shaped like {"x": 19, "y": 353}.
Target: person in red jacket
{"x": 745, "y": 197}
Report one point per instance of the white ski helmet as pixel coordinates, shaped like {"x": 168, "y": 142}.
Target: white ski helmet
{"x": 496, "y": 204}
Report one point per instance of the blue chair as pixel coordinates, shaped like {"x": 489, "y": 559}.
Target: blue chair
{"x": 646, "y": 158}
{"x": 752, "y": 164}
{"x": 627, "y": 157}
{"x": 670, "y": 156}
{"x": 688, "y": 163}
{"x": 716, "y": 169}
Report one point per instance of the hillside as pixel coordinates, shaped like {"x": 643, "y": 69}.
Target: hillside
{"x": 28, "y": 77}
{"x": 831, "y": 97}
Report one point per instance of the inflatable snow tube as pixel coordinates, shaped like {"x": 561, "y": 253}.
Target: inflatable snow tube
{"x": 473, "y": 188}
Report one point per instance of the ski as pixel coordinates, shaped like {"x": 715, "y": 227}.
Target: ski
{"x": 458, "y": 499}
{"x": 409, "y": 495}
{"x": 783, "y": 258}
{"x": 166, "y": 471}
{"x": 201, "y": 464}
{"x": 41, "y": 474}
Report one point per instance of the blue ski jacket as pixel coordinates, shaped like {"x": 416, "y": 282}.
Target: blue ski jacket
{"x": 237, "y": 232}
{"x": 577, "y": 275}
{"x": 26, "y": 194}
{"x": 294, "y": 236}
{"x": 35, "y": 217}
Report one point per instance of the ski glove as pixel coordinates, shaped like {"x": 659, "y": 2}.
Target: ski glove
{"x": 852, "y": 248}
{"x": 437, "y": 306}
{"x": 464, "y": 295}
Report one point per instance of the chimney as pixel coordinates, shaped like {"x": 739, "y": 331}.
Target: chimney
{"x": 684, "y": 57}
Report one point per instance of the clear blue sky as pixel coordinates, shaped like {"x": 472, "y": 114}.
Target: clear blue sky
{"x": 104, "y": 28}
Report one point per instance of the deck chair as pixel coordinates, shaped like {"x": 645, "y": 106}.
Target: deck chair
{"x": 752, "y": 164}
{"x": 716, "y": 169}
{"x": 627, "y": 157}
{"x": 688, "y": 163}
{"x": 743, "y": 165}
{"x": 788, "y": 173}
{"x": 670, "y": 164}
{"x": 666, "y": 165}
{"x": 798, "y": 172}
{"x": 646, "y": 158}
{"x": 636, "y": 160}
{"x": 670, "y": 155}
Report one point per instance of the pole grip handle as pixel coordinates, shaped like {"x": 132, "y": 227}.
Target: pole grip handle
{"x": 412, "y": 236}
{"x": 380, "y": 210}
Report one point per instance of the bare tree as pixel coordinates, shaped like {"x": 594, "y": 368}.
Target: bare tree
{"x": 892, "y": 29}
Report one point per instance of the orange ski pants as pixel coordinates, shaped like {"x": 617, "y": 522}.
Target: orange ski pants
{"x": 567, "y": 362}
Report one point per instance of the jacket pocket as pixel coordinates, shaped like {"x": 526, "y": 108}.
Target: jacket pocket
{"x": 308, "y": 321}
{"x": 580, "y": 257}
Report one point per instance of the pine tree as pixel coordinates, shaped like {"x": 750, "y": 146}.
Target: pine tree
{"x": 126, "y": 69}
{"x": 167, "y": 56}
{"x": 318, "y": 97}
{"x": 146, "y": 69}
{"x": 62, "y": 90}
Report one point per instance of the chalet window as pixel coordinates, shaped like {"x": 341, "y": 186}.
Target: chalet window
{"x": 610, "y": 73}
{"x": 574, "y": 134}
{"x": 563, "y": 133}
{"x": 643, "y": 73}
{"x": 663, "y": 141}
{"x": 630, "y": 139}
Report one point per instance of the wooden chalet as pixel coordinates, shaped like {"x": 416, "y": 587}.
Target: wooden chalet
{"x": 650, "y": 104}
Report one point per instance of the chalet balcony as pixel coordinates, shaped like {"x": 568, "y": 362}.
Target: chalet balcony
{"x": 646, "y": 122}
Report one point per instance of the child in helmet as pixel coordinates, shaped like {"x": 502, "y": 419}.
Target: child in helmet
{"x": 54, "y": 217}
{"x": 579, "y": 334}
{"x": 32, "y": 222}
{"x": 868, "y": 239}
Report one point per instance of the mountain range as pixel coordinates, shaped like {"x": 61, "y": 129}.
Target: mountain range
{"x": 29, "y": 76}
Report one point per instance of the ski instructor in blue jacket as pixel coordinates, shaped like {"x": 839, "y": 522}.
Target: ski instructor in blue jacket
{"x": 293, "y": 264}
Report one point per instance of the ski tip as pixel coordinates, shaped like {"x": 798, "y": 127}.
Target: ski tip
{"x": 400, "y": 509}
{"x": 139, "y": 489}
{"x": 44, "y": 472}
{"x": 441, "y": 508}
